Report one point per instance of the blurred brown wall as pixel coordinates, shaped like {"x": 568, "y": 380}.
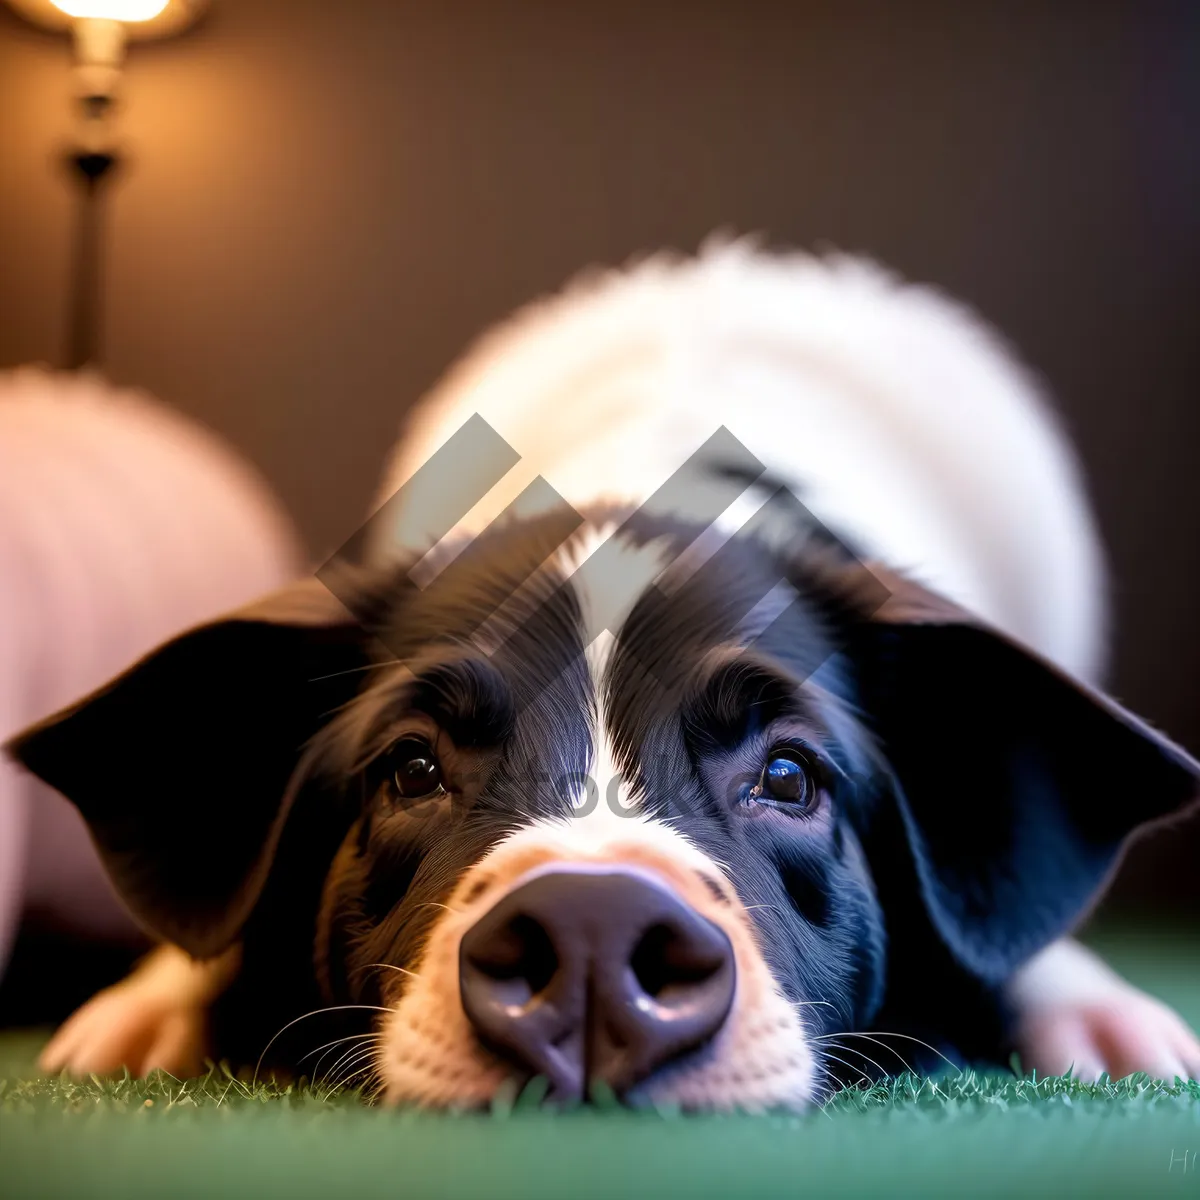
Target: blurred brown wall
{"x": 324, "y": 201}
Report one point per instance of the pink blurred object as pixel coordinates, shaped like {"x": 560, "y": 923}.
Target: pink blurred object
{"x": 121, "y": 523}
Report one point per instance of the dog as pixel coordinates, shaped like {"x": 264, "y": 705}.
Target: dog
{"x": 710, "y": 714}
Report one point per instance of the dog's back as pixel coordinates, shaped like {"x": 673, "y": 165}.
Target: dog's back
{"x": 896, "y": 416}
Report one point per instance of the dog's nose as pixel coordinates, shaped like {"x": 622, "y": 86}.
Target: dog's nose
{"x": 585, "y": 973}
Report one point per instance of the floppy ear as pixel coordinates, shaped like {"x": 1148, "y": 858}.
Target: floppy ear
{"x": 180, "y": 766}
{"x": 1017, "y": 785}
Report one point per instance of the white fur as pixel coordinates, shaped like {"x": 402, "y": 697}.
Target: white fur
{"x": 609, "y": 573}
{"x": 898, "y": 418}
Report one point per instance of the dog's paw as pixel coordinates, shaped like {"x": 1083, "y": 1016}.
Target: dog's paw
{"x": 1074, "y": 1014}
{"x": 132, "y": 1024}
{"x": 155, "y": 1019}
{"x": 1119, "y": 1035}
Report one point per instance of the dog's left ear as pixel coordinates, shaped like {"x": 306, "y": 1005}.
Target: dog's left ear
{"x": 1018, "y": 786}
{"x": 181, "y": 765}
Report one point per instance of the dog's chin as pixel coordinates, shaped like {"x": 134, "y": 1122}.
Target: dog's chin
{"x": 761, "y": 1059}
{"x": 774, "y": 1072}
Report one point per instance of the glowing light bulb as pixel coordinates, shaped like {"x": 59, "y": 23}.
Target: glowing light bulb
{"x": 112, "y": 10}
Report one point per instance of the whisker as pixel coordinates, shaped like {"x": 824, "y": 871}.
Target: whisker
{"x": 379, "y": 666}
{"x": 434, "y": 904}
{"x": 866, "y": 1057}
{"x": 372, "y": 1087}
{"x": 317, "y": 1067}
{"x": 799, "y": 1004}
{"x": 316, "y": 1012}
{"x": 878, "y": 1033}
{"x": 353, "y": 1037}
{"x": 344, "y": 1064}
{"x": 333, "y": 1082}
{"x": 348, "y": 1065}
{"x": 337, "y": 1042}
{"x": 393, "y": 967}
{"x": 861, "y": 1073}
{"x": 375, "y": 1083}
{"x": 870, "y": 1038}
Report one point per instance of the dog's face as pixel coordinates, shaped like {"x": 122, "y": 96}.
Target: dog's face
{"x": 610, "y": 816}
{"x": 625, "y": 851}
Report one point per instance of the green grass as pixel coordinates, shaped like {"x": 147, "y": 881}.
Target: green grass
{"x": 957, "y": 1135}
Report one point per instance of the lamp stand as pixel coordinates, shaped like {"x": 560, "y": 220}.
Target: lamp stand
{"x": 90, "y": 169}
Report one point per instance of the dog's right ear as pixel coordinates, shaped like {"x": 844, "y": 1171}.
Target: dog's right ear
{"x": 180, "y": 766}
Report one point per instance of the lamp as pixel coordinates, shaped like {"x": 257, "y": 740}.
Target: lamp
{"x": 101, "y": 30}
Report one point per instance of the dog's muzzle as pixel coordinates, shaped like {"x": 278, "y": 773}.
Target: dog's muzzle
{"x": 583, "y": 973}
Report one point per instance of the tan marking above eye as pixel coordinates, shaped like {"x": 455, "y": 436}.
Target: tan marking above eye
{"x": 718, "y": 892}
{"x": 477, "y": 888}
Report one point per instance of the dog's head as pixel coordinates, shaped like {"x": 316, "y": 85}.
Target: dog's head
{"x": 606, "y": 812}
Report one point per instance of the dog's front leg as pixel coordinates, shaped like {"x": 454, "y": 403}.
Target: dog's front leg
{"x": 1075, "y": 1013}
{"x": 157, "y": 1017}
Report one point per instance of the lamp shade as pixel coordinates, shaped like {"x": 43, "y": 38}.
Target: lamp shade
{"x": 143, "y": 19}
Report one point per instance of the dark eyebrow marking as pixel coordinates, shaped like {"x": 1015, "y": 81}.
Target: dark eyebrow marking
{"x": 736, "y": 694}
{"x": 467, "y": 697}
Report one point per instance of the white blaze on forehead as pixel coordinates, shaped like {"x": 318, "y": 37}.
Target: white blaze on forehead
{"x": 609, "y": 573}
{"x": 604, "y": 775}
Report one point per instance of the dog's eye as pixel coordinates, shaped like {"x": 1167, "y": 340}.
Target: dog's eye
{"x": 416, "y": 772}
{"x": 788, "y": 779}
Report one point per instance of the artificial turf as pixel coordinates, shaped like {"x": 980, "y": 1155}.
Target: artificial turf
{"x": 957, "y": 1135}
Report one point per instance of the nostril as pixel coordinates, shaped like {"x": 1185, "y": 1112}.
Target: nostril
{"x": 580, "y": 974}
{"x": 665, "y": 960}
{"x": 522, "y": 950}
